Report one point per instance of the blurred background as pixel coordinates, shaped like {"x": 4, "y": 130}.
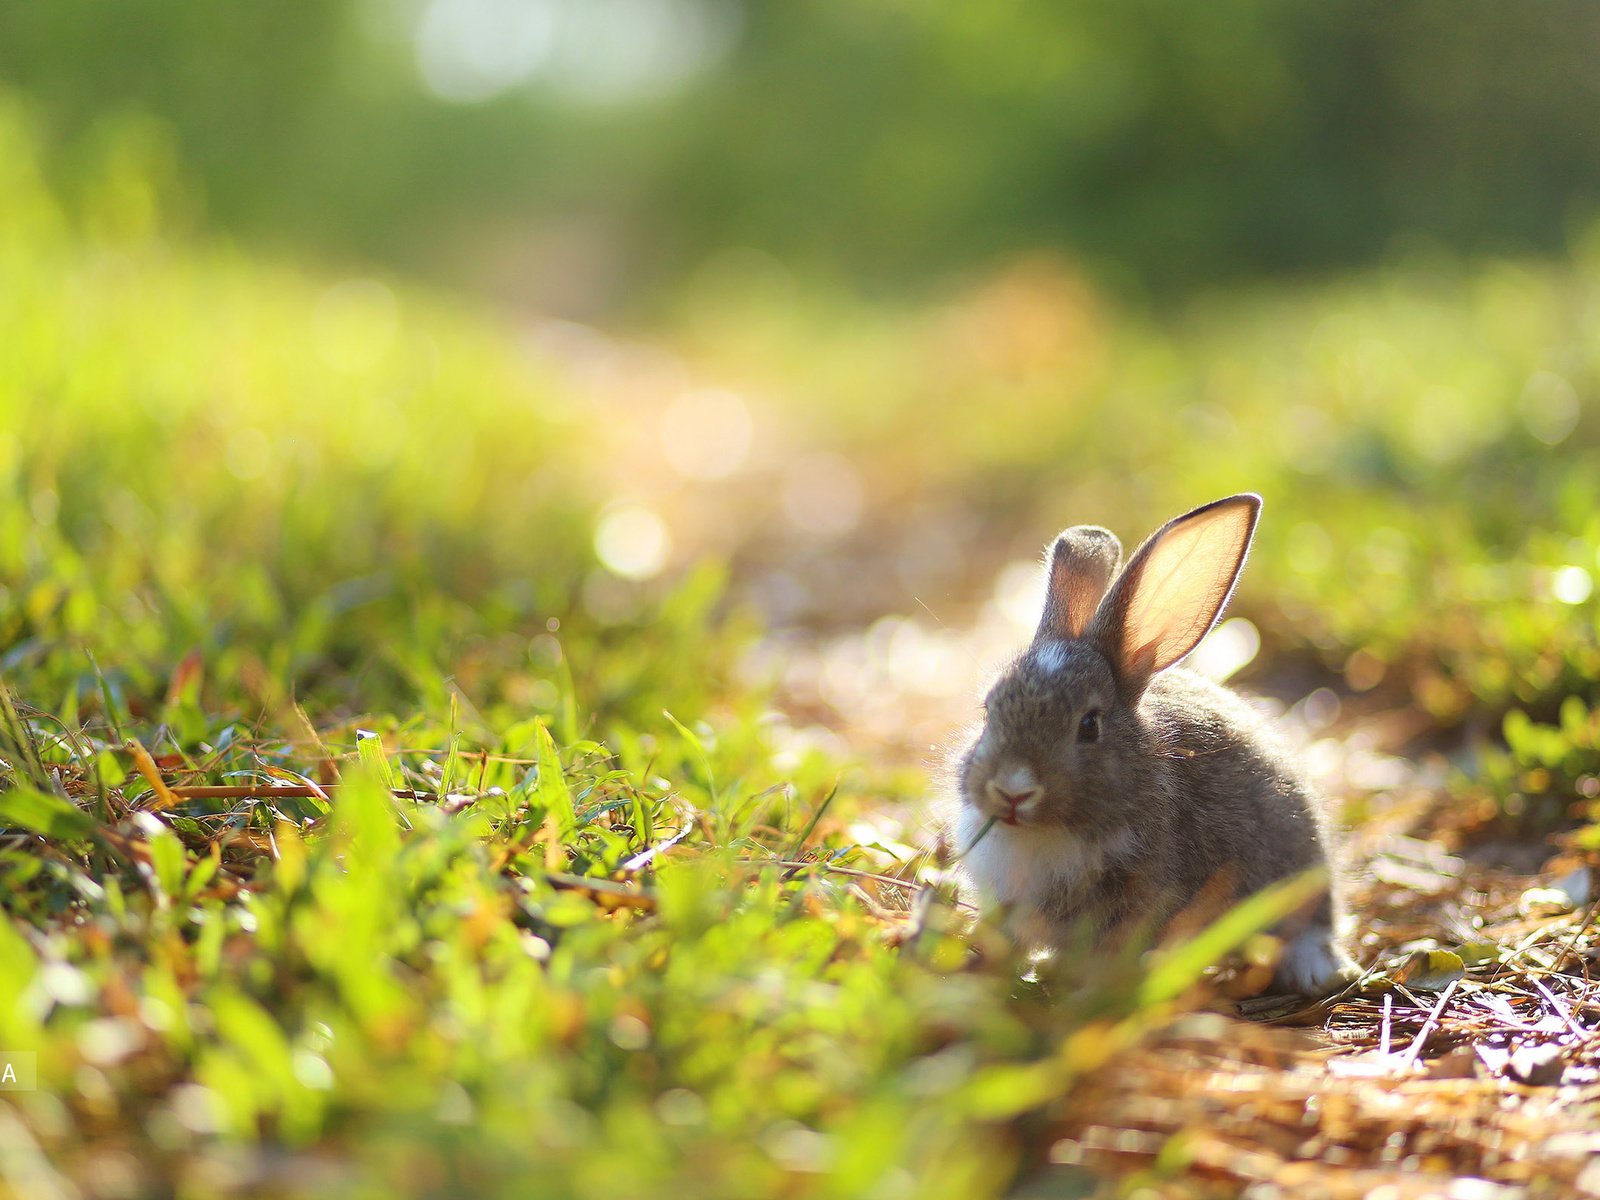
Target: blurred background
{"x": 540, "y": 303}
{"x": 593, "y": 158}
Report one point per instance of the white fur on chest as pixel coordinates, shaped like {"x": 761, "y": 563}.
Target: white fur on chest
{"x": 1027, "y": 868}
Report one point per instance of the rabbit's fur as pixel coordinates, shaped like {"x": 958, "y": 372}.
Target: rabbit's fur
{"x": 1128, "y": 792}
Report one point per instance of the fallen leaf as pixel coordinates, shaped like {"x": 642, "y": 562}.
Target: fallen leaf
{"x": 1476, "y": 953}
{"x": 1431, "y": 970}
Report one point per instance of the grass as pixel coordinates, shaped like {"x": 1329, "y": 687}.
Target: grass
{"x": 365, "y": 833}
{"x": 430, "y": 996}
{"x": 480, "y": 910}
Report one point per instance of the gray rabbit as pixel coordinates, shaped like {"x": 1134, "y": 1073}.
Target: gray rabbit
{"x": 1126, "y": 791}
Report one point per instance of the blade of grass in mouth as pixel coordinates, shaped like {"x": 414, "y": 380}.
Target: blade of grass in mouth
{"x": 982, "y": 833}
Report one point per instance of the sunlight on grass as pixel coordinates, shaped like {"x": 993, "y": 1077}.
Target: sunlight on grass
{"x": 396, "y": 793}
{"x": 342, "y": 822}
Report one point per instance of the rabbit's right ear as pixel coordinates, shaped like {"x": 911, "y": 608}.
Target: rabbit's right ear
{"x": 1082, "y": 562}
{"x": 1174, "y": 589}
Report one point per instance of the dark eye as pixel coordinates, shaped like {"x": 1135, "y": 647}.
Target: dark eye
{"x": 1089, "y": 727}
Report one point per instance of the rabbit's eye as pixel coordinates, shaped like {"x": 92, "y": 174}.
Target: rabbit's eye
{"x": 1089, "y": 727}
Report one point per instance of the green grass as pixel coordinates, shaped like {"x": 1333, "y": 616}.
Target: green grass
{"x": 419, "y": 1000}
{"x": 540, "y": 932}
{"x": 274, "y": 529}
{"x": 1547, "y": 775}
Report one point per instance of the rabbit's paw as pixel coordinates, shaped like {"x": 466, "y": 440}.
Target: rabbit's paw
{"x": 1314, "y": 965}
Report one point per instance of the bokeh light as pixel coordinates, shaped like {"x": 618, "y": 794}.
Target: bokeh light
{"x": 1572, "y": 585}
{"x": 706, "y": 434}
{"x": 599, "y": 51}
{"x": 633, "y": 541}
{"x": 822, "y": 495}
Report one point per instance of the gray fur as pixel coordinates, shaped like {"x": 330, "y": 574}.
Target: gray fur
{"x": 1185, "y": 797}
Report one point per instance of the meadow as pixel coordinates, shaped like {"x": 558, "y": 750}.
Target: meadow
{"x": 424, "y": 776}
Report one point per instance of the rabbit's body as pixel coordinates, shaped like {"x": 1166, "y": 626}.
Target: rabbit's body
{"x": 1127, "y": 792}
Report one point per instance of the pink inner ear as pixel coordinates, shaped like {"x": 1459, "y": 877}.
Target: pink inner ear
{"x": 1183, "y": 584}
{"x": 1082, "y": 563}
{"x": 1082, "y": 591}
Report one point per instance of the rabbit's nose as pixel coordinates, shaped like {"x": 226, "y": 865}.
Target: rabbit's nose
{"x": 1011, "y": 801}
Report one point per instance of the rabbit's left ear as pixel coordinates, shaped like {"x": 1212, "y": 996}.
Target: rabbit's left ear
{"x": 1082, "y": 562}
{"x": 1174, "y": 588}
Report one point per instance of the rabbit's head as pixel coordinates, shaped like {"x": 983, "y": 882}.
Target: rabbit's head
{"x": 1062, "y": 742}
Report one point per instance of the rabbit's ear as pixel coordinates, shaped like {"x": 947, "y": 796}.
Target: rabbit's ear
{"x": 1174, "y": 588}
{"x": 1082, "y": 562}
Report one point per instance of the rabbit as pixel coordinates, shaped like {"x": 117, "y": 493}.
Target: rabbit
{"x": 1126, "y": 789}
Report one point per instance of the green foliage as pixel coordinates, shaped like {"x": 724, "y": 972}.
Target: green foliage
{"x": 1547, "y": 775}
{"x": 1156, "y": 140}
{"x": 39, "y": 812}
{"x": 277, "y": 480}
{"x": 886, "y": 143}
